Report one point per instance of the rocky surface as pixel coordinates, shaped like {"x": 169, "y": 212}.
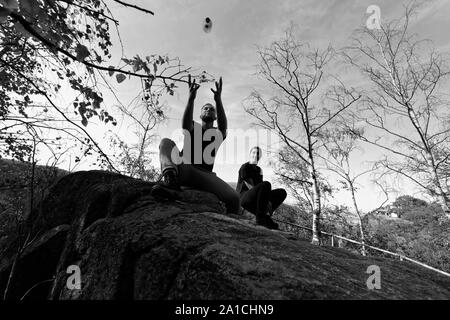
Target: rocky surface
{"x": 130, "y": 246}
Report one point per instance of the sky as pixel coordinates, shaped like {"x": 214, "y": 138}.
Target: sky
{"x": 230, "y": 51}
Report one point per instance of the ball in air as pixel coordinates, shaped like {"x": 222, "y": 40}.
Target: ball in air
{"x": 207, "y": 25}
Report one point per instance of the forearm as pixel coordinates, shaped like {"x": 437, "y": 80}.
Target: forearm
{"x": 188, "y": 114}
{"x": 221, "y": 117}
{"x": 249, "y": 183}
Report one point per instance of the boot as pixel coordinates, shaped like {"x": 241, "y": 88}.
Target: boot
{"x": 266, "y": 221}
{"x": 169, "y": 185}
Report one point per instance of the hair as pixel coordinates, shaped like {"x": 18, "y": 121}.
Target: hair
{"x": 207, "y": 103}
{"x": 259, "y": 150}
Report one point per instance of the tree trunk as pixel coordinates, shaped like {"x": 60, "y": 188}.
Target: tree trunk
{"x": 363, "y": 238}
{"x": 316, "y": 207}
{"x": 361, "y": 230}
{"x": 443, "y": 200}
{"x": 12, "y": 273}
{"x": 441, "y": 195}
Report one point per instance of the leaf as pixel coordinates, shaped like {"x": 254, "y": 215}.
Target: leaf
{"x": 111, "y": 72}
{"x": 10, "y": 4}
{"x": 137, "y": 65}
{"x": 120, "y": 77}
{"x": 4, "y": 13}
{"x": 30, "y": 7}
{"x": 21, "y": 29}
{"x": 127, "y": 61}
{"x": 82, "y": 52}
{"x": 84, "y": 122}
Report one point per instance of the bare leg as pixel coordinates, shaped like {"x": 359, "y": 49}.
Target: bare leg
{"x": 169, "y": 155}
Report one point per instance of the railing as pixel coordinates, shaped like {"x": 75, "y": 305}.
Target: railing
{"x": 401, "y": 257}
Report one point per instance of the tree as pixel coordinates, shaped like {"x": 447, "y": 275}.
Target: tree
{"x": 293, "y": 72}
{"x": 293, "y": 173}
{"x": 418, "y": 234}
{"x": 134, "y": 160}
{"x": 406, "y": 203}
{"x": 47, "y": 46}
{"x": 406, "y": 112}
{"x": 340, "y": 144}
{"x": 55, "y": 48}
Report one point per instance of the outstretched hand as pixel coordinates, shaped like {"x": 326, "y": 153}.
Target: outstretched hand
{"x": 193, "y": 87}
{"x": 218, "y": 91}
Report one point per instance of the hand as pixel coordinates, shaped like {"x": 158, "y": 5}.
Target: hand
{"x": 218, "y": 91}
{"x": 193, "y": 87}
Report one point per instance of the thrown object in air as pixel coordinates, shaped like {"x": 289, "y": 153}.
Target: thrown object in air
{"x": 207, "y": 25}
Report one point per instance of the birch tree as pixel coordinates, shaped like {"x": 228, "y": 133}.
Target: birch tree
{"x": 405, "y": 105}
{"x": 341, "y": 145}
{"x": 294, "y": 73}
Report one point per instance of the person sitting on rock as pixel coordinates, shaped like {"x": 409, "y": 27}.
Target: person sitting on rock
{"x": 257, "y": 195}
{"x": 193, "y": 166}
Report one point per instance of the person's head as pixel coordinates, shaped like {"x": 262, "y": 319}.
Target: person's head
{"x": 208, "y": 113}
{"x": 255, "y": 154}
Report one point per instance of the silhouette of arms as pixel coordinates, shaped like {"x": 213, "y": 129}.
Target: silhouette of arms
{"x": 221, "y": 117}
{"x": 188, "y": 112}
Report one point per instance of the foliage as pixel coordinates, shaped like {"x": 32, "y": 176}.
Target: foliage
{"x": 134, "y": 160}
{"x": 292, "y": 172}
{"x": 419, "y": 234}
{"x": 48, "y": 46}
{"x": 15, "y": 190}
{"x": 294, "y": 215}
{"x": 405, "y": 203}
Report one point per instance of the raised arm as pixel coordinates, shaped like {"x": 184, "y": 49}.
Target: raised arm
{"x": 221, "y": 117}
{"x": 189, "y": 111}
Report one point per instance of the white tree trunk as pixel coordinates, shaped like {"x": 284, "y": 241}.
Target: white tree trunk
{"x": 316, "y": 207}
{"x": 441, "y": 194}
{"x": 361, "y": 230}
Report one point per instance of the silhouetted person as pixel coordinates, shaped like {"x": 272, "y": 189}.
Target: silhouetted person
{"x": 257, "y": 195}
{"x": 193, "y": 166}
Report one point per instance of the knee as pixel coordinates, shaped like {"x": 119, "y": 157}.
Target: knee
{"x": 166, "y": 142}
{"x": 266, "y": 185}
{"x": 283, "y": 193}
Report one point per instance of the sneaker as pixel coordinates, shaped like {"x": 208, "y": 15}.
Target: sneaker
{"x": 266, "y": 221}
{"x": 170, "y": 179}
{"x": 168, "y": 187}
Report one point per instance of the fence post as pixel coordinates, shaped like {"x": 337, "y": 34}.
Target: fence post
{"x": 332, "y": 241}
